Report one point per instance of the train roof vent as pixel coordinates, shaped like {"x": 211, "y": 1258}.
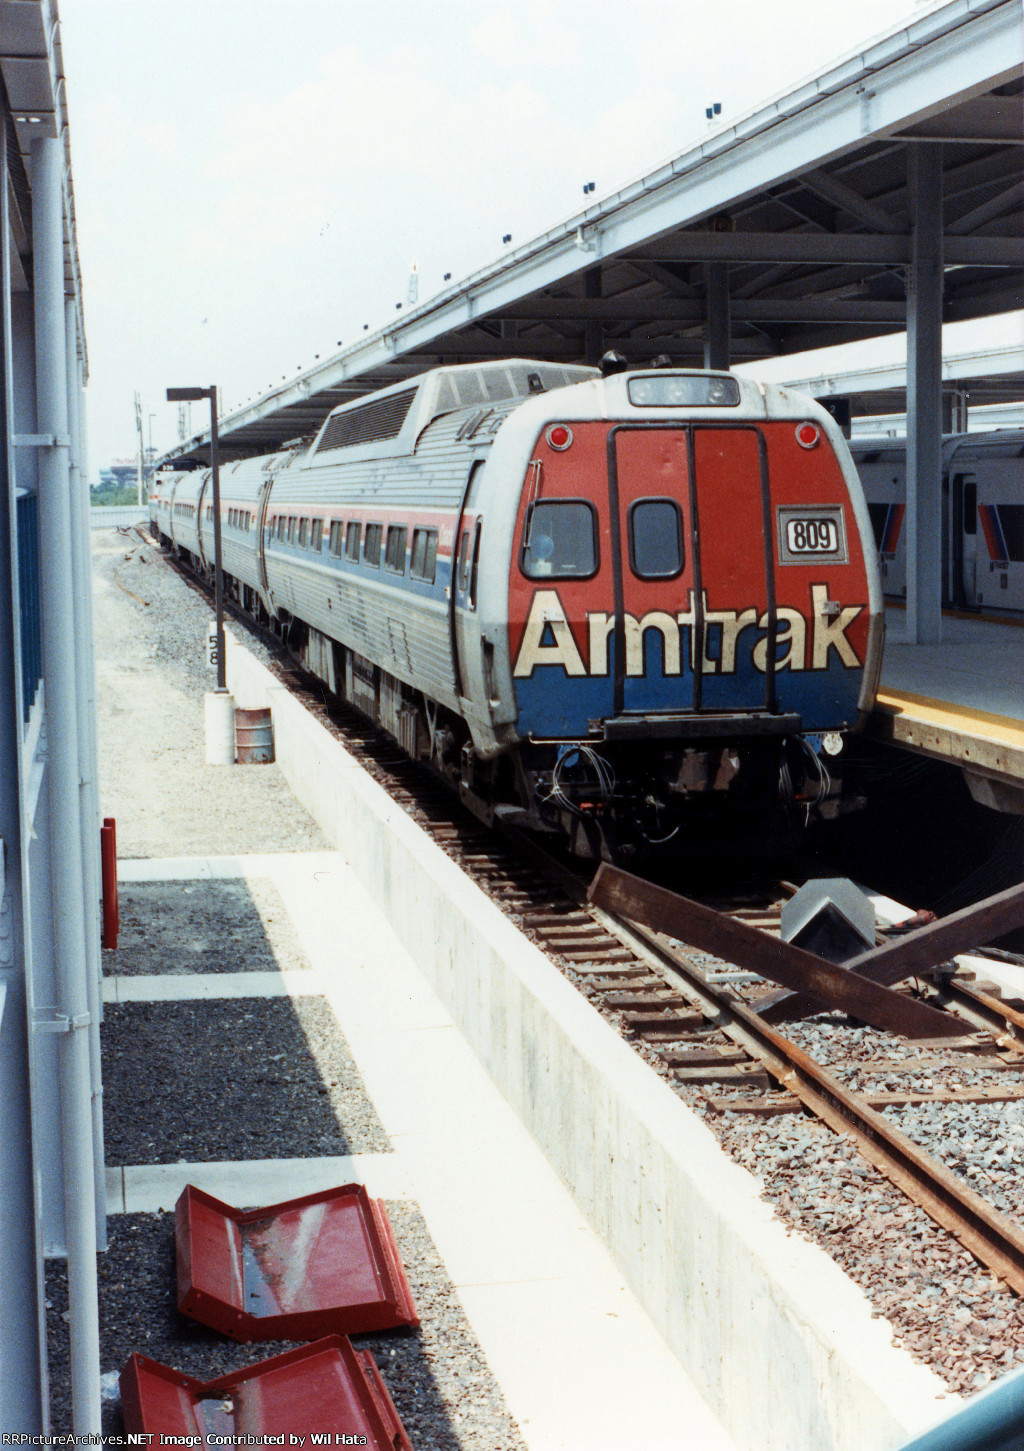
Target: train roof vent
{"x": 370, "y": 423}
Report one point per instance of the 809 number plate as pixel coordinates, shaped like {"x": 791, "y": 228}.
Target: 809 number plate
{"x": 810, "y": 534}
{"x": 813, "y": 535}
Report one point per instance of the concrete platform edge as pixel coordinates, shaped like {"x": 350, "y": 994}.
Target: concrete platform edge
{"x": 779, "y": 1341}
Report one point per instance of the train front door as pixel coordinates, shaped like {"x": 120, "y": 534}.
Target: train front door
{"x": 655, "y": 566}
{"x": 692, "y": 569}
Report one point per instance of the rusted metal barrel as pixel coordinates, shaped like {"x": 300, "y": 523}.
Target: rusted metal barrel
{"x": 254, "y": 736}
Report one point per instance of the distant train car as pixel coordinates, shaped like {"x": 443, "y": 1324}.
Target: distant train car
{"x": 608, "y": 605}
{"x": 983, "y": 517}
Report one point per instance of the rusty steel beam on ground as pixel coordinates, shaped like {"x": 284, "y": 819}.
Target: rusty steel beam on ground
{"x": 780, "y": 962}
{"x": 919, "y": 951}
{"x": 991, "y": 1237}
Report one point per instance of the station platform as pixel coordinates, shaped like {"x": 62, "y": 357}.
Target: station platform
{"x": 961, "y": 701}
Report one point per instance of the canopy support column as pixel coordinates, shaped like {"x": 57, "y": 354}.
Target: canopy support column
{"x": 924, "y": 398}
{"x": 717, "y": 321}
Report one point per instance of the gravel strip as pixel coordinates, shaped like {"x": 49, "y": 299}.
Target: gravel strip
{"x": 243, "y": 1078}
{"x": 203, "y": 926}
{"x": 151, "y": 678}
{"x": 437, "y": 1375}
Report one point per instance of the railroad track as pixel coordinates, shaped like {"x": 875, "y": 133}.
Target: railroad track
{"x": 692, "y": 1017}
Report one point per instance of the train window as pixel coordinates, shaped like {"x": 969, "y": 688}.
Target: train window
{"x": 371, "y": 544}
{"x": 394, "y": 555}
{"x": 464, "y": 562}
{"x": 879, "y": 517}
{"x": 474, "y": 571}
{"x": 316, "y": 535}
{"x": 970, "y": 508}
{"x": 1011, "y": 518}
{"x": 352, "y": 540}
{"x": 424, "y": 554}
{"x": 560, "y": 540}
{"x": 337, "y": 535}
{"x": 655, "y": 538}
{"x": 282, "y": 526}
{"x": 303, "y": 533}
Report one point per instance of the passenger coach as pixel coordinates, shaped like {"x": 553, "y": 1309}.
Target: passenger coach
{"x": 617, "y": 606}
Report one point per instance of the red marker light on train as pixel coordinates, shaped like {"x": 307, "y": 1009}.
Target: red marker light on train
{"x": 559, "y": 437}
{"x": 807, "y": 435}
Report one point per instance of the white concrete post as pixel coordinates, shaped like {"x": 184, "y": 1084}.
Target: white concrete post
{"x": 59, "y": 606}
{"x": 88, "y": 772}
{"x": 924, "y": 397}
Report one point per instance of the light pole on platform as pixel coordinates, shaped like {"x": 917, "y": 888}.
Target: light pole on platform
{"x": 220, "y": 745}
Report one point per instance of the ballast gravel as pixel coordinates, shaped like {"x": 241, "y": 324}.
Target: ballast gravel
{"x": 944, "y": 1307}
{"x": 437, "y": 1375}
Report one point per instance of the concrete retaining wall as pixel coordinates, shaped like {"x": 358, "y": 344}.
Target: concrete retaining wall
{"x": 780, "y": 1342}
{"x": 116, "y": 516}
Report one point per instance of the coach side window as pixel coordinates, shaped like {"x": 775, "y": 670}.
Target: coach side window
{"x": 303, "y": 533}
{"x": 352, "y": 541}
{"x": 371, "y": 544}
{"x": 337, "y": 536}
{"x": 394, "y": 556}
{"x": 424, "y": 555}
{"x": 316, "y": 535}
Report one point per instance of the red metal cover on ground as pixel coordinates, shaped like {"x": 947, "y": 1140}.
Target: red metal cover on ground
{"x": 326, "y": 1263}
{"x": 326, "y": 1389}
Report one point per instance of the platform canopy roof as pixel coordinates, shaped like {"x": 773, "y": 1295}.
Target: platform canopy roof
{"x": 987, "y": 377}
{"x": 805, "y": 200}
{"x": 32, "y": 70}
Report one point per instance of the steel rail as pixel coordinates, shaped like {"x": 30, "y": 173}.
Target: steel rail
{"x": 1006, "y": 1024}
{"x": 991, "y": 1237}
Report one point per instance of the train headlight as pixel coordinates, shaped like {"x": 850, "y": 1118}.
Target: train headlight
{"x": 807, "y": 435}
{"x": 559, "y": 437}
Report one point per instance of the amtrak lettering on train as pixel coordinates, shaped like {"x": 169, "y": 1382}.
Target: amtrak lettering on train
{"x": 548, "y": 639}
{"x": 623, "y": 607}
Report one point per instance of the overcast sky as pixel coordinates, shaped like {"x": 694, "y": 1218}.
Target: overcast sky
{"x": 254, "y": 178}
